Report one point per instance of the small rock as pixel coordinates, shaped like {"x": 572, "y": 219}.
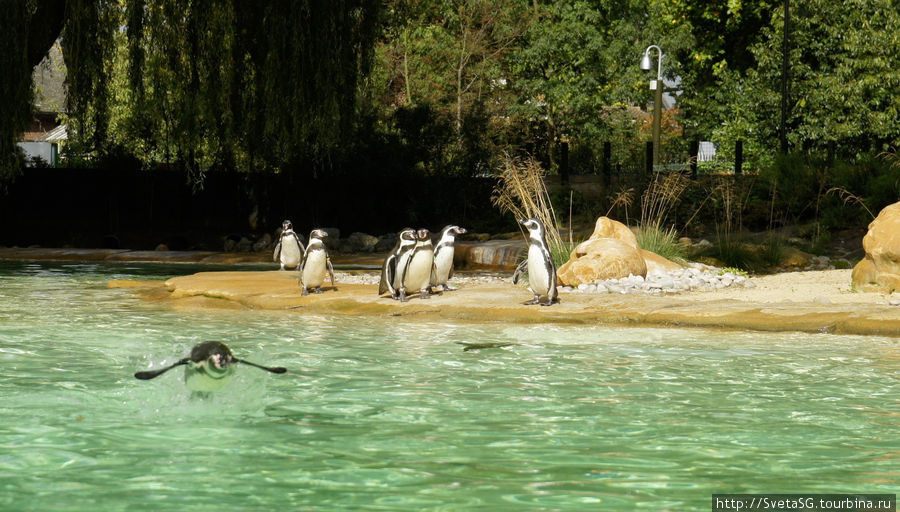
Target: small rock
{"x": 245, "y": 245}
{"x": 264, "y": 243}
{"x": 386, "y": 242}
{"x": 360, "y": 242}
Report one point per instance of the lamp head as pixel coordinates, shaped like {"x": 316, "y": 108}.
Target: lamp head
{"x": 645, "y": 61}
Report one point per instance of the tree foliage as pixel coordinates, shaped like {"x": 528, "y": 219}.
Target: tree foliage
{"x": 28, "y": 29}
{"x": 208, "y": 84}
{"x": 448, "y": 86}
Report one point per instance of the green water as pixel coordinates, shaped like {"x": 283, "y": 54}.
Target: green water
{"x": 391, "y": 415}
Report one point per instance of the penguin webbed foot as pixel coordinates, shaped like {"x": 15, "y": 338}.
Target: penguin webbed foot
{"x": 305, "y": 292}
{"x": 318, "y": 290}
{"x": 550, "y": 302}
{"x": 424, "y": 294}
{"x": 403, "y": 297}
{"x": 536, "y": 300}
{"x": 448, "y": 288}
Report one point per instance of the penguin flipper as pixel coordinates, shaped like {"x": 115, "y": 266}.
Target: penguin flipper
{"x": 519, "y": 271}
{"x": 388, "y": 269}
{"x": 277, "y": 252}
{"x": 150, "y": 374}
{"x": 330, "y": 268}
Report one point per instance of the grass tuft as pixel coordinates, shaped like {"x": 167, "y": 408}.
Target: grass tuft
{"x": 663, "y": 242}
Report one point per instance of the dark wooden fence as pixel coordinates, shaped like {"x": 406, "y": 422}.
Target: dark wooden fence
{"x": 140, "y": 209}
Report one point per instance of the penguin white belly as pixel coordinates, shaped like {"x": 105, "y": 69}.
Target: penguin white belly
{"x": 444, "y": 262}
{"x": 401, "y": 264}
{"x": 538, "y": 277}
{"x": 290, "y": 252}
{"x": 199, "y": 377}
{"x": 418, "y": 277}
{"x": 314, "y": 270}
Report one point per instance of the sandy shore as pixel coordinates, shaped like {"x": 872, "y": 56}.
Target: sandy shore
{"x": 819, "y": 301}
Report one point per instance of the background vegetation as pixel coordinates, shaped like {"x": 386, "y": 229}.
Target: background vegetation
{"x": 454, "y": 87}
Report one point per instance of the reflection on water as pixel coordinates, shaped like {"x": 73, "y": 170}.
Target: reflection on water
{"x": 383, "y": 414}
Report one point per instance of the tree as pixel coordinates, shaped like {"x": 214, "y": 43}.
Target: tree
{"x": 202, "y": 84}
{"x": 576, "y": 70}
{"x": 27, "y": 34}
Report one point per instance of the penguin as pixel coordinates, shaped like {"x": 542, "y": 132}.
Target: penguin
{"x": 417, "y": 272}
{"x": 315, "y": 263}
{"x": 210, "y": 367}
{"x": 443, "y": 256}
{"x": 405, "y": 244}
{"x": 289, "y": 251}
{"x": 541, "y": 269}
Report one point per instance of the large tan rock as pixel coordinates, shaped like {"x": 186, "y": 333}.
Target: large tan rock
{"x": 612, "y": 252}
{"x": 608, "y": 228}
{"x": 656, "y": 263}
{"x": 880, "y": 270}
{"x": 599, "y": 259}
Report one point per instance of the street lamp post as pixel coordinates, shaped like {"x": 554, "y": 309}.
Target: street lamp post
{"x": 657, "y": 87}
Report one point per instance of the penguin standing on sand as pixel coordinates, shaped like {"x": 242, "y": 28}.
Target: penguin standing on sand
{"x": 210, "y": 367}
{"x": 315, "y": 263}
{"x": 443, "y": 256}
{"x": 398, "y": 256}
{"x": 418, "y": 272}
{"x": 541, "y": 269}
{"x": 289, "y": 251}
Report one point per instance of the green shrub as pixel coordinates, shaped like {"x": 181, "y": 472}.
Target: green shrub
{"x": 732, "y": 253}
{"x": 772, "y": 252}
{"x": 663, "y": 242}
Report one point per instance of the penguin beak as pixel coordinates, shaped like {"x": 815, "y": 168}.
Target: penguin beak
{"x": 522, "y": 221}
{"x": 461, "y": 231}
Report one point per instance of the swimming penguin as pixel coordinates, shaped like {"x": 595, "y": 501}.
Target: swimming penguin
{"x": 443, "y": 256}
{"x": 401, "y": 251}
{"x": 209, "y": 367}
{"x": 315, "y": 263}
{"x": 289, "y": 251}
{"x": 418, "y": 272}
{"x": 541, "y": 269}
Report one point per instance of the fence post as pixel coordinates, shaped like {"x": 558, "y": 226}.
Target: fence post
{"x": 649, "y": 158}
{"x": 738, "y": 156}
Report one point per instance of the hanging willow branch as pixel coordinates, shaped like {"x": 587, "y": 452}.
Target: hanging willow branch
{"x": 212, "y": 84}
{"x": 29, "y": 29}
{"x": 16, "y": 89}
